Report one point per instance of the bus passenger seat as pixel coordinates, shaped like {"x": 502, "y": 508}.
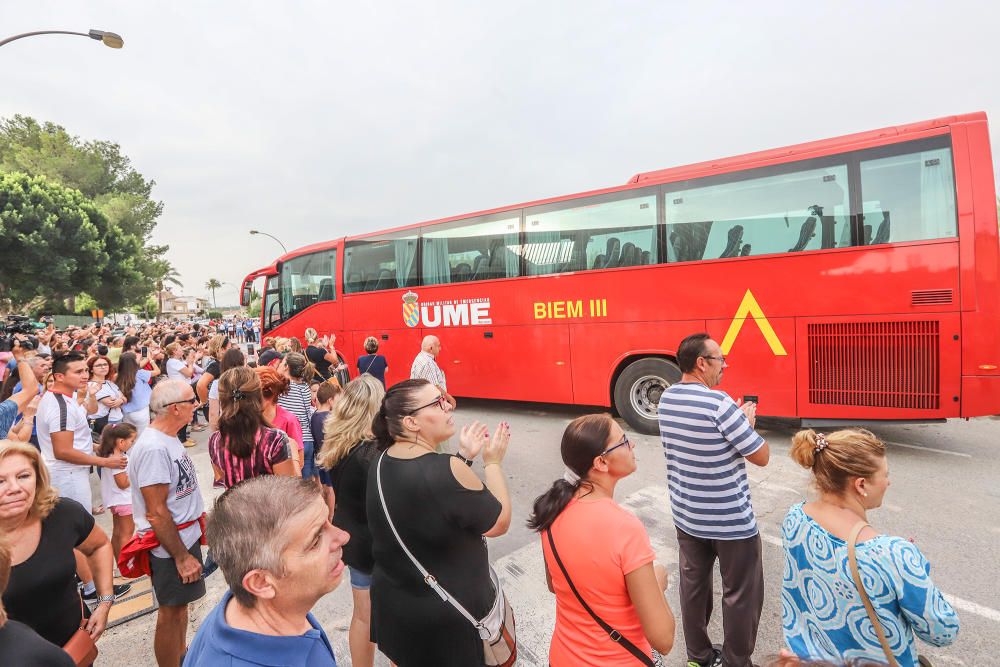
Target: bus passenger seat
{"x": 598, "y": 262}
{"x": 613, "y": 253}
{"x": 882, "y": 235}
{"x": 480, "y": 265}
{"x": 628, "y": 254}
{"x": 645, "y": 257}
{"x": 867, "y": 238}
{"x": 734, "y": 243}
{"x": 325, "y": 290}
{"x": 806, "y": 232}
{"x": 461, "y": 273}
{"x": 355, "y": 282}
{"x": 386, "y": 280}
{"x": 746, "y": 250}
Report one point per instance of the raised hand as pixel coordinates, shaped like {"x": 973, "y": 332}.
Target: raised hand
{"x": 472, "y": 440}
{"x": 496, "y": 449}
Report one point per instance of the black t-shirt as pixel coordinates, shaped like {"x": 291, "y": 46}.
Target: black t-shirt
{"x": 20, "y": 645}
{"x": 42, "y": 590}
{"x": 317, "y": 356}
{"x": 349, "y": 479}
{"x": 373, "y": 364}
{"x": 214, "y": 369}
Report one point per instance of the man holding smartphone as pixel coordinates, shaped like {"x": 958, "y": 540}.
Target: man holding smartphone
{"x": 706, "y": 439}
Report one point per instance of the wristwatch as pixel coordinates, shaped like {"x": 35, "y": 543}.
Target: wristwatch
{"x": 106, "y": 598}
{"x": 464, "y": 460}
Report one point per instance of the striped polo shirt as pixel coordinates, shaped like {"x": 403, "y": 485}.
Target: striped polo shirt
{"x": 705, "y": 437}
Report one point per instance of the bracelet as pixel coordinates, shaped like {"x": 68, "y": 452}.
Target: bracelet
{"x": 491, "y": 463}
{"x": 110, "y": 599}
{"x": 464, "y": 460}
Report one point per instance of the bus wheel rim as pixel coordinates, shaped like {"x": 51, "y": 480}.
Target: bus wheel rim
{"x": 645, "y": 395}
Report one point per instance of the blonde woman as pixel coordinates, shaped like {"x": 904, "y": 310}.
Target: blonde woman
{"x": 347, "y": 452}
{"x": 320, "y": 353}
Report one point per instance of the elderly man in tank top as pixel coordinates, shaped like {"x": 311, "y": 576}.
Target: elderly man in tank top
{"x": 706, "y": 439}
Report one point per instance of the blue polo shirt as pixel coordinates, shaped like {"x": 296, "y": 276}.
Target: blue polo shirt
{"x": 218, "y": 643}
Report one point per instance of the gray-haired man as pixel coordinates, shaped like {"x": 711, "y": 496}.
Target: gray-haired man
{"x": 274, "y": 543}
{"x": 165, "y": 495}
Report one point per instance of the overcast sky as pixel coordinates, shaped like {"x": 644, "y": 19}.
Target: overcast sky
{"x": 314, "y": 120}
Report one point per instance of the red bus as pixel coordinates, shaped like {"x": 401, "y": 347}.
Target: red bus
{"x": 849, "y": 280}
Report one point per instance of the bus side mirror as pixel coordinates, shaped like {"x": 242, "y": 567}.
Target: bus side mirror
{"x": 245, "y": 295}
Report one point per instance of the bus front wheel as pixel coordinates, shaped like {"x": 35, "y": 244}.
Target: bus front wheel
{"x": 638, "y": 390}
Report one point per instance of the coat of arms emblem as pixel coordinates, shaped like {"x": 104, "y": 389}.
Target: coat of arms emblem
{"x": 411, "y": 310}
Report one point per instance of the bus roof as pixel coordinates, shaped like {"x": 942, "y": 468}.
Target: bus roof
{"x": 673, "y": 174}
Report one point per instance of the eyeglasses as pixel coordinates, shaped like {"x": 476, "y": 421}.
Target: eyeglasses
{"x": 193, "y": 401}
{"x": 720, "y": 359}
{"x": 440, "y": 401}
{"x": 624, "y": 443}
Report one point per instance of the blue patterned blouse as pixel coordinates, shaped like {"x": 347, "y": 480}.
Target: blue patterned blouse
{"x": 823, "y": 615}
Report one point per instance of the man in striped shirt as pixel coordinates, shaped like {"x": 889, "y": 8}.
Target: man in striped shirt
{"x": 706, "y": 437}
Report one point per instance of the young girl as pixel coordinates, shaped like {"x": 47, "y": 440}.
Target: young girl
{"x": 115, "y": 489}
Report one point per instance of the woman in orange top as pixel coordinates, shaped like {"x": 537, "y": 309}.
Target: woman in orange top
{"x": 614, "y": 575}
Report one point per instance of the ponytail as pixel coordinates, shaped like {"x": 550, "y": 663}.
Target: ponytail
{"x": 583, "y": 441}
{"x": 387, "y": 426}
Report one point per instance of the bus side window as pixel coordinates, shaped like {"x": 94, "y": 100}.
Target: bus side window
{"x": 761, "y": 213}
{"x": 908, "y": 197}
{"x": 380, "y": 263}
{"x": 474, "y": 249}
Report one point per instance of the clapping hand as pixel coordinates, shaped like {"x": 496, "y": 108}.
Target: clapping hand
{"x": 496, "y": 449}
{"x": 473, "y": 438}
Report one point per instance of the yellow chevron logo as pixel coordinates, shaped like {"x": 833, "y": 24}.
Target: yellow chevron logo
{"x": 749, "y": 306}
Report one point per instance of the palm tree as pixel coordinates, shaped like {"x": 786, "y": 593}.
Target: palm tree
{"x": 213, "y": 285}
{"x": 168, "y": 275}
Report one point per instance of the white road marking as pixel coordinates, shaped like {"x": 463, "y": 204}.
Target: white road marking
{"x": 921, "y": 448}
{"x": 973, "y": 607}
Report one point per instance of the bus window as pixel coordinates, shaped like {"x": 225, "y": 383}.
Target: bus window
{"x": 790, "y": 212}
{"x": 374, "y": 264}
{"x": 272, "y": 303}
{"x": 603, "y": 233}
{"x": 306, "y": 280}
{"x": 477, "y": 249}
{"x": 908, "y": 197}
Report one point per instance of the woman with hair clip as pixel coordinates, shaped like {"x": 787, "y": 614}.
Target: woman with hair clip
{"x": 135, "y": 384}
{"x": 442, "y": 511}
{"x": 348, "y": 449}
{"x": 245, "y": 446}
{"x": 272, "y": 386}
{"x": 615, "y": 576}
{"x": 298, "y": 401}
{"x": 829, "y": 620}
{"x": 232, "y": 358}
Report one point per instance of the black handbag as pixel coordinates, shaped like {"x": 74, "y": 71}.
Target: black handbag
{"x": 614, "y": 634}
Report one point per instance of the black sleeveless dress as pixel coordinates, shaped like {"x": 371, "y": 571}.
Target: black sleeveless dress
{"x": 442, "y": 524}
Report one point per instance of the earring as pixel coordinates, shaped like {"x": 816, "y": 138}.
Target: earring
{"x": 864, "y": 494}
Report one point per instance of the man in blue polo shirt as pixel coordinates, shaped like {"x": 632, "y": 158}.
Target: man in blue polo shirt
{"x": 706, "y": 438}
{"x": 279, "y": 553}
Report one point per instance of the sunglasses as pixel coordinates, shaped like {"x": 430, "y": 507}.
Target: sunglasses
{"x": 624, "y": 443}
{"x": 440, "y": 401}
{"x": 193, "y": 401}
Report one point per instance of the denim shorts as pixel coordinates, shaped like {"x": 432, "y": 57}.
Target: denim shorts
{"x": 360, "y": 581}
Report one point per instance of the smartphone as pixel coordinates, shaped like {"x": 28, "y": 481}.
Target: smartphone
{"x": 145, "y": 351}
{"x": 751, "y": 399}
{"x": 250, "y": 350}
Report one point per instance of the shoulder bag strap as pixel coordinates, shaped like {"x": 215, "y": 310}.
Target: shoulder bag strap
{"x": 370, "y": 364}
{"x": 428, "y": 577}
{"x": 852, "y": 542}
{"x": 614, "y": 634}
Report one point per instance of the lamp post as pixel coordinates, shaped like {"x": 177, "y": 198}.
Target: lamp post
{"x": 110, "y": 39}
{"x": 254, "y": 231}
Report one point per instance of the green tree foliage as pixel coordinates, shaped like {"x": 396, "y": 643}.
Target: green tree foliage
{"x": 212, "y": 285}
{"x": 106, "y": 179}
{"x": 52, "y": 240}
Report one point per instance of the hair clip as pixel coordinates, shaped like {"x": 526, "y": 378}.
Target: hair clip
{"x": 821, "y": 442}
{"x": 238, "y": 395}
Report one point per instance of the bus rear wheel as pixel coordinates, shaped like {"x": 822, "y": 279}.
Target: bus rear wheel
{"x": 638, "y": 390}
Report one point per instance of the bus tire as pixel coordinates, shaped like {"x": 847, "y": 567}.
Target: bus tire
{"x": 638, "y": 389}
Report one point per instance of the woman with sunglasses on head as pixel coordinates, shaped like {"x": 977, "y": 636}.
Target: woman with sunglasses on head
{"x": 616, "y": 575}
{"x": 107, "y": 394}
{"x": 442, "y": 511}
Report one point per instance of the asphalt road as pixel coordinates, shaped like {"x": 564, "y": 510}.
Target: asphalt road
{"x": 944, "y": 495}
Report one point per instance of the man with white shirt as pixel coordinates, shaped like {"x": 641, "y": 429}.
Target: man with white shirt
{"x": 165, "y": 496}
{"x": 425, "y": 367}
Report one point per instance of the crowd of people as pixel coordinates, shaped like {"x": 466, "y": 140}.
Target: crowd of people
{"x": 316, "y": 473}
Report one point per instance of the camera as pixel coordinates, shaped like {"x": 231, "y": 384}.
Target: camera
{"x": 18, "y": 324}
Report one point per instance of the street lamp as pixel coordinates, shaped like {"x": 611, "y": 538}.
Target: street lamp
{"x": 254, "y": 231}
{"x": 111, "y": 39}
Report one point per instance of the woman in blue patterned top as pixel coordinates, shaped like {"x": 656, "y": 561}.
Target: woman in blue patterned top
{"x": 822, "y": 613}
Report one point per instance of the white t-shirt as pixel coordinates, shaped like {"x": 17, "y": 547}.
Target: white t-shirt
{"x": 110, "y": 492}
{"x": 108, "y": 390}
{"x": 174, "y": 367}
{"x": 213, "y": 390}
{"x": 59, "y": 412}
{"x": 158, "y": 458}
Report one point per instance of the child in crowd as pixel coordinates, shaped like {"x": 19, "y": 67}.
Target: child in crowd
{"x": 115, "y": 488}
